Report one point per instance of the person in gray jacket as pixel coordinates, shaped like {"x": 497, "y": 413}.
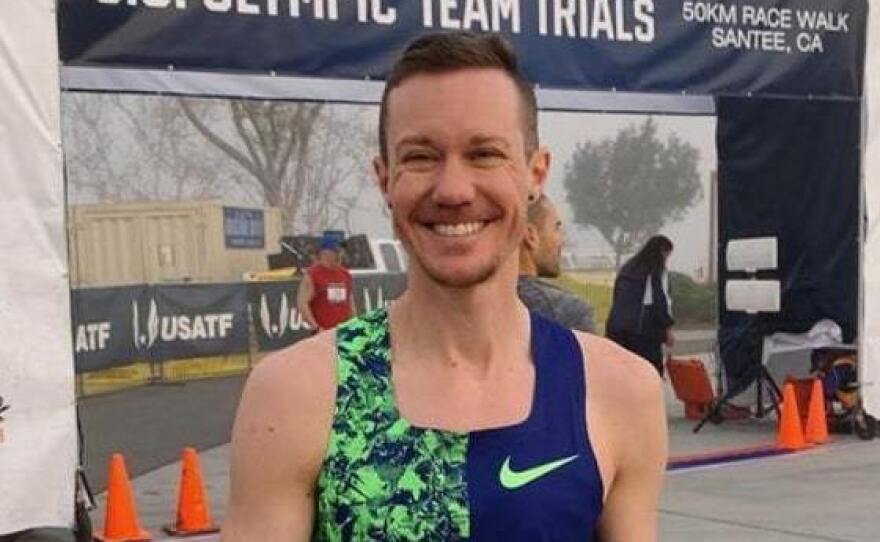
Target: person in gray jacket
{"x": 539, "y": 256}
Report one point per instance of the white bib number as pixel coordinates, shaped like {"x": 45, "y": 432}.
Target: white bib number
{"x": 336, "y": 293}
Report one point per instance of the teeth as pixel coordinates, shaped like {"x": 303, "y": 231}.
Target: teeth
{"x": 457, "y": 230}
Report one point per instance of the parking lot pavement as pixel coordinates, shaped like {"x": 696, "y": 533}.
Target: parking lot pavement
{"x": 828, "y": 493}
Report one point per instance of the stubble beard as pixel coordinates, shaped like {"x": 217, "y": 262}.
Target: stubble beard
{"x": 437, "y": 275}
{"x": 548, "y": 269}
{"x": 464, "y": 281}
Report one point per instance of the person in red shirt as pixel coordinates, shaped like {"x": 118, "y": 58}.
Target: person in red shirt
{"x": 325, "y": 293}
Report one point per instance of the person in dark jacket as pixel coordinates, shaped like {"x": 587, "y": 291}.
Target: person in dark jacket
{"x": 641, "y": 311}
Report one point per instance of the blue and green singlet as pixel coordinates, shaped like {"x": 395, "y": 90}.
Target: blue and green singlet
{"x": 385, "y": 479}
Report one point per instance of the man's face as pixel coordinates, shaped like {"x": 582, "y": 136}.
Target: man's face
{"x": 457, "y": 176}
{"x": 551, "y": 237}
{"x": 328, "y": 257}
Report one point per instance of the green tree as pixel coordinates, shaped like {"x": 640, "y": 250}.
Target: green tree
{"x": 628, "y": 187}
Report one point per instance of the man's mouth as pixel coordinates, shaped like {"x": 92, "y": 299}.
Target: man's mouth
{"x": 460, "y": 229}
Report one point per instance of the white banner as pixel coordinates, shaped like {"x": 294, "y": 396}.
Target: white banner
{"x": 38, "y": 433}
{"x": 870, "y": 347}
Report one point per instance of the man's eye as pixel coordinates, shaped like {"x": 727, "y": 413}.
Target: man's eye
{"x": 417, "y": 157}
{"x": 487, "y": 155}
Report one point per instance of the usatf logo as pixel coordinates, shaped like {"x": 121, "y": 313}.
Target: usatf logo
{"x": 289, "y": 318}
{"x": 147, "y": 339}
{"x": 379, "y": 302}
{"x": 177, "y": 327}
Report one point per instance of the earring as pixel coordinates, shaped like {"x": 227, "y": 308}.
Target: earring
{"x": 532, "y": 197}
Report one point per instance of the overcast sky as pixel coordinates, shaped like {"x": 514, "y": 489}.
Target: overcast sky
{"x": 561, "y": 132}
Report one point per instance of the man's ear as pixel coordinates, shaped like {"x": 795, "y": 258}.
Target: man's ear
{"x": 530, "y": 238}
{"x": 539, "y": 169}
{"x": 381, "y": 171}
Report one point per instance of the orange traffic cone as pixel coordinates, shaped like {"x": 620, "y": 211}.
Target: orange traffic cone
{"x": 817, "y": 424}
{"x": 791, "y": 434}
{"x": 121, "y": 523}
{"x": 193, "y": 514}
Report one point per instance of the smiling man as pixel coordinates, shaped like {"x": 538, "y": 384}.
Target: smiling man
{"x": 455, "y": 414}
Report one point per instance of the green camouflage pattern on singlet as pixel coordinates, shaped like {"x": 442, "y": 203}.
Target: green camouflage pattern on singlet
{"x": 382, "y": 478}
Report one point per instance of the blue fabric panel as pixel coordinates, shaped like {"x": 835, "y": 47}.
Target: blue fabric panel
{"x": 564, "y": 504}
{"x": 790, "y": 169}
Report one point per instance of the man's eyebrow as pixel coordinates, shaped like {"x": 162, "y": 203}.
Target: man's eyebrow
{"x": 481, "y": 139}
{"x": 414, "y": 140}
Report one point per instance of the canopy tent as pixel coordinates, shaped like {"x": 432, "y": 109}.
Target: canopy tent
{"x": 38, "y": 435}
{"x": 785, "y": 81}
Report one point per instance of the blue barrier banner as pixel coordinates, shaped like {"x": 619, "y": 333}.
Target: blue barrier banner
{"x": 761, "y": 47}
{"x": 103, "y": 322}
{"x": 117, "y": 326}
{"x": 189, "y": 321}
{"x": 278, "y": 322}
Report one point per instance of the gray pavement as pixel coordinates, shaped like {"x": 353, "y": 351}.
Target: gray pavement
{"x": 151, "y": 425}
{"x": 828, "y": 493}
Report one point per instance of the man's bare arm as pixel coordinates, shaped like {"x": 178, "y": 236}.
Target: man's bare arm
{"x": 303, "y": 297}
{"x": 630, "y": 417}
{"x": 278, "y": 444}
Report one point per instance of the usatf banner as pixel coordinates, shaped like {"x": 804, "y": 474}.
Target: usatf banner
{"x": 117, "y": 326}
{"x": 780, "y": 47}
{"x": 121, "y": 325}
{"x": 192, "y": 321}
{"x": 278, "y": 322}
{"x": 104, "y": 322}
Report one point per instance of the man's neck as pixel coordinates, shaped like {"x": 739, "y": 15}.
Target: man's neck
{"x": 478, "y": 326}
{"x": 527, "y": 265}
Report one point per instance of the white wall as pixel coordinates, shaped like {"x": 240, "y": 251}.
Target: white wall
{"x": 38, "y": 437}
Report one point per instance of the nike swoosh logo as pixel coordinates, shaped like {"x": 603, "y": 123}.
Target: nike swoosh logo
{"x": 511, "y": 479}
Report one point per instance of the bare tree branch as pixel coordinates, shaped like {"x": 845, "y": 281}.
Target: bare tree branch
{"x": 218, "y": 141}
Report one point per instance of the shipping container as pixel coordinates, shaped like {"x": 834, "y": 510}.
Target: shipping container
{"x": 169, "y": 242}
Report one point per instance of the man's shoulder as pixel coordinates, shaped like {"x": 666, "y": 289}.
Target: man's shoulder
{"x": 302, "y": 374}
{"x": 533, "y": 288}
{"x": 626, "y": 407}
{"x": 282, "y": 428}
{"x": 556, "y": 303}
{"x": 623, "y": 377}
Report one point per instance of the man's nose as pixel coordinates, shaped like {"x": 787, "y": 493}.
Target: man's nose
{"x": 454, "y": 184}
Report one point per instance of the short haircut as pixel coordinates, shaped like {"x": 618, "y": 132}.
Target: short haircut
{"x": 451, "y": 51}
